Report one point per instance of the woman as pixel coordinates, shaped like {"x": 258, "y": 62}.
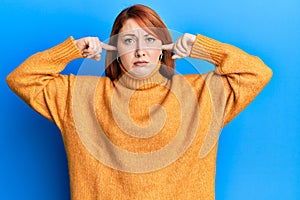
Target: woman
{"x": 141, "y": 132}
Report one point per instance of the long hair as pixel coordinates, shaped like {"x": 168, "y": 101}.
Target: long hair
{"x": 148, "y": 19}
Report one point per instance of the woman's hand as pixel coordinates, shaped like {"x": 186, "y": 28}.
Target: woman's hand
{"x": 91, "y": 47}
{"x": 182, "y": 46}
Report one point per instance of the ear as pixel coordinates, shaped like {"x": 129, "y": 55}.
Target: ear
{"x": 160, "y": 56}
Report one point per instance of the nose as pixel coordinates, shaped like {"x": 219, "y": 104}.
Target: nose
{"x": 140, "y": 49}
{"x": 139, "y": 53}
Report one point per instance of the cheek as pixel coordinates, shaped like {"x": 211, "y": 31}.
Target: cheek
{"x": 154, "y": 55}
{"x": 126, "y": 60}
{"x": 126, "y": 55}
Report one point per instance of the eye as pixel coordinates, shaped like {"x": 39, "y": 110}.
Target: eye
{"x": 150, "y": 39}
{"x": 128, "y": 41}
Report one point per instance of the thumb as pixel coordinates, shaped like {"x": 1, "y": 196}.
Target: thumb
{"x": 176, "y": 57}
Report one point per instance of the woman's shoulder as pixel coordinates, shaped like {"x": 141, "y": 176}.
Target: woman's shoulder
{"x": 191, "y": 77}
{"x": 90, "y": 80}
{"x": 195, "y": 80}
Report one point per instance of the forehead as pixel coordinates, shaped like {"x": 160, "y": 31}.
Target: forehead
{"x": 131, "y": 26}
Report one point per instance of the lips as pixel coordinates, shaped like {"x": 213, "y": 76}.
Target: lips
{"x": 140, "y": 63}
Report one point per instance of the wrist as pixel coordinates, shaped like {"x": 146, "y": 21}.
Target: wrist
{"x": 207, "y": 49}
{"x": 65, "y": 51}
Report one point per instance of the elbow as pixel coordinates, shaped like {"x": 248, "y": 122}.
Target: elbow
{"x": 267, "y": 74}
{"x": 270, "y": 73}
{"x": 263, "y": 72}
{"x": 10, "y": 80}
{"x": 261, "y": 75}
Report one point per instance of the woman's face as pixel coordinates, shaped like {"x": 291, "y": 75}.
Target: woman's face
{"x": 138, "y": 50}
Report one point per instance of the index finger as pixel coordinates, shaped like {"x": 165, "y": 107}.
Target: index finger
{"x": 108, "y": 47}
{"x": 168, "y": 46}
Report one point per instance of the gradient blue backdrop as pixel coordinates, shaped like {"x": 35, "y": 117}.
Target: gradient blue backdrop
{"x": 259, "y": 151}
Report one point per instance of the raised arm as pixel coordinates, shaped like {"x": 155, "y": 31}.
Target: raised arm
{"x": 38, "y": 80}
{"x": 39, "y": 83}
{"x": 242, "y": 75}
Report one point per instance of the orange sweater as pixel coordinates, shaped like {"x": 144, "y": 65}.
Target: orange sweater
{"x": 151, "y": 138}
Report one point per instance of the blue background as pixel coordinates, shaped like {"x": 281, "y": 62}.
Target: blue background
{"x": 259, "y": 151}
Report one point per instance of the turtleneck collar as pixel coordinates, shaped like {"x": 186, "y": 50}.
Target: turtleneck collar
{"x": 135, "y": 83}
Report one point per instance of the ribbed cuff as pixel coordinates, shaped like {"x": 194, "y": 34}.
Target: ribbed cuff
{"x": 207, "y": 49}
{"x": 65, "y": 52}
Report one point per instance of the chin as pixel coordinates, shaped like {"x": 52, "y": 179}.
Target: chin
{"x": 138, "y": 74}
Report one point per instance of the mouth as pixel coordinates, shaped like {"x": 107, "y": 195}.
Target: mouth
{"x": 140, "y": 63}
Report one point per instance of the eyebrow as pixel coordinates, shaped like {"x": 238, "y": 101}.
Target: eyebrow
{"x": 131, "y": 34}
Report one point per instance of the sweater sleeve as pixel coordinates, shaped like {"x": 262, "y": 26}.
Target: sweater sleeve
{"x": 243, "y": 76}
{"x": 39, "y": 83}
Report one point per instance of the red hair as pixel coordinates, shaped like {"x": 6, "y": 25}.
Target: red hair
{"x": 148, "y": 19}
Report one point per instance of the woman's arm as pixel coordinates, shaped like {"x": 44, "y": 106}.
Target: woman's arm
{"x": 243, "y": 76}
{"x": 39, "y": 83}
{"x": 237, "y": 79}
{"x": 38, "y": 80}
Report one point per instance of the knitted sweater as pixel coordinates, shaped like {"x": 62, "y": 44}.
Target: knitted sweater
{"x": 150, "y": 138}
